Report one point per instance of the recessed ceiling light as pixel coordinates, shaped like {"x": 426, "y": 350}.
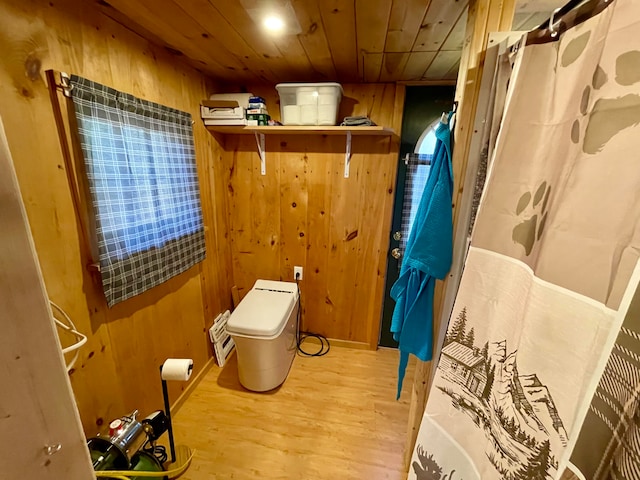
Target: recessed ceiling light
{"x": 275, "y": 17}
{"x": 273, "y": 23}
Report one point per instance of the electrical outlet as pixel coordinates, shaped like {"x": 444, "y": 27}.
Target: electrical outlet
{"x": 297, "y": 273}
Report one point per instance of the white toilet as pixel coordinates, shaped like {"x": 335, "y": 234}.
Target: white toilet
{"x": 263, "y": 327}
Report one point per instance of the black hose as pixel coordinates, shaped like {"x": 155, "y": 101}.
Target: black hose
{"x": 325, "y": 346}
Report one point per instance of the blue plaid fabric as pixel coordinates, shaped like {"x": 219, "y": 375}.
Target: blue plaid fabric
{"x": 417, "y": 174}
{"x": 140, "y": 164}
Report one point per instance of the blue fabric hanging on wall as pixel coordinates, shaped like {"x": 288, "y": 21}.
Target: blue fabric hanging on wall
{"x": 427, "y": 257}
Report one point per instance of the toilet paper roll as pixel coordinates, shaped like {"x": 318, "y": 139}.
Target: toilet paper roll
{"x": 332, "y": 90}
{"x": 327, "y": 114}
{"x": 291, "y": 115}
{"x": 306, "y": 96}
{"x": 326, "y": 99}
{"x": 309, "y": 114}
{"x": 177, "y": 369}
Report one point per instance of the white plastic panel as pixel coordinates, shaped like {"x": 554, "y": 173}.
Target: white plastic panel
{"x": 262, "y": 313}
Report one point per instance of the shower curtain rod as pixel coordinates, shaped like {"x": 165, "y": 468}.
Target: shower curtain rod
{"x": 571, "y": 14}
{"x": 559, "y": 12}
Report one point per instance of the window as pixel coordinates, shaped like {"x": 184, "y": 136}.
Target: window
{"x": 140, "y": 164}
{"x": 426, "y": 144}
{"x": 417, "y": 174}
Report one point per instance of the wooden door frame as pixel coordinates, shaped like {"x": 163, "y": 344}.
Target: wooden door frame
{"x": 40, "y": 431}
{"x": 432, "y": 103}
{"x": 485, "y": 16}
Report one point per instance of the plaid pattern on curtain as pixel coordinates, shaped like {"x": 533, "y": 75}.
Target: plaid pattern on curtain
{"x": 417, "y": 174}
{"x": 140, "y": 163}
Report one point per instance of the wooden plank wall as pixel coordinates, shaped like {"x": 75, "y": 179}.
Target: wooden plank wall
{"x": 484, "y": 16}
{"x": 304, "y": 212}
{"x": 118, "y": 368}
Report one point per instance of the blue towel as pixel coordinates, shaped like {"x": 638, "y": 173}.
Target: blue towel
{"x": 428, "y": 256}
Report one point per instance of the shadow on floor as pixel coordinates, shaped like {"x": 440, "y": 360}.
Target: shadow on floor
{"x": 229, "y": 379}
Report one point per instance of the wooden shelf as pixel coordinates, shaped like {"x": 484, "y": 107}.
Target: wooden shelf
{"x": 260, "y": 133}
{"x": 302, "y": 130}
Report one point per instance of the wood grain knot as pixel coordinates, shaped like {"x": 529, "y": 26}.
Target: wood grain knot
{"x": 173, "y": 51}
{"x": 32, "y": 66}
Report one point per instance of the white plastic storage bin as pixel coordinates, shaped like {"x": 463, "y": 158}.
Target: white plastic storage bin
{"x": 309, "y": 103}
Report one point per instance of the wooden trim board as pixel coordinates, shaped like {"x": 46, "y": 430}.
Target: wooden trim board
{"x": 301, "y": 130}
{"x": 427, "y": 83}
{"x": 33, "y": 370}
{"x": 484, "y": 16}
{"x": 334, "y": 342}
{"x": 175, "y": 407}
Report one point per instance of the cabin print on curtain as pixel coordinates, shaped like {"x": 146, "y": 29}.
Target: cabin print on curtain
{"x": 539, "y": 375}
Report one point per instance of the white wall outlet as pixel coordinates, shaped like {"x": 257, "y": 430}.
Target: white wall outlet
{"x": 297, "y": 273}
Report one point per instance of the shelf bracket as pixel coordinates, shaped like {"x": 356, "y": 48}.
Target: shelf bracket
{"x": 347, "y": 155}
{"x": 262, "y": 152}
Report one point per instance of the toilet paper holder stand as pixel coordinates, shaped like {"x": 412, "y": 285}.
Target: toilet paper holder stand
{"x": 167, "y": 408}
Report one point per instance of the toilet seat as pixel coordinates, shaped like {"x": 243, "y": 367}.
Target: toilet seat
{"x": 262, "y": 313}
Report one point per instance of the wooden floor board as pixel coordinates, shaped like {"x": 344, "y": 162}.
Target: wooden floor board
{"x": 335, "y": 417}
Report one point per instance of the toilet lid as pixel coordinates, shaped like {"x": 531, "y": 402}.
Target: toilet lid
{"x": 262, "y": 313}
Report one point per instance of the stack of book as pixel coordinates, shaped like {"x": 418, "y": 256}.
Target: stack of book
{"x": 257, "y": 113}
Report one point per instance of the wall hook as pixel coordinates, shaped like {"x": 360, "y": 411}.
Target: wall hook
{"x": 65, "y": 84}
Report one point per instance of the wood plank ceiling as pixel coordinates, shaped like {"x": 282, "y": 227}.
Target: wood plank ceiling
{"x": 334, "y": 40}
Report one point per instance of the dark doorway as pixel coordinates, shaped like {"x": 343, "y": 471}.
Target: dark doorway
{"x": 423, "y": 107}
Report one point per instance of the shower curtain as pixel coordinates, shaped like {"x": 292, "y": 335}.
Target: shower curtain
{"x": 539, "y": 375}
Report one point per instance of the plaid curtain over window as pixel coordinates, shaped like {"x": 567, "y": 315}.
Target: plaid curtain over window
{"x": 140, "y": 164}
{"x": 417, "y": 174}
